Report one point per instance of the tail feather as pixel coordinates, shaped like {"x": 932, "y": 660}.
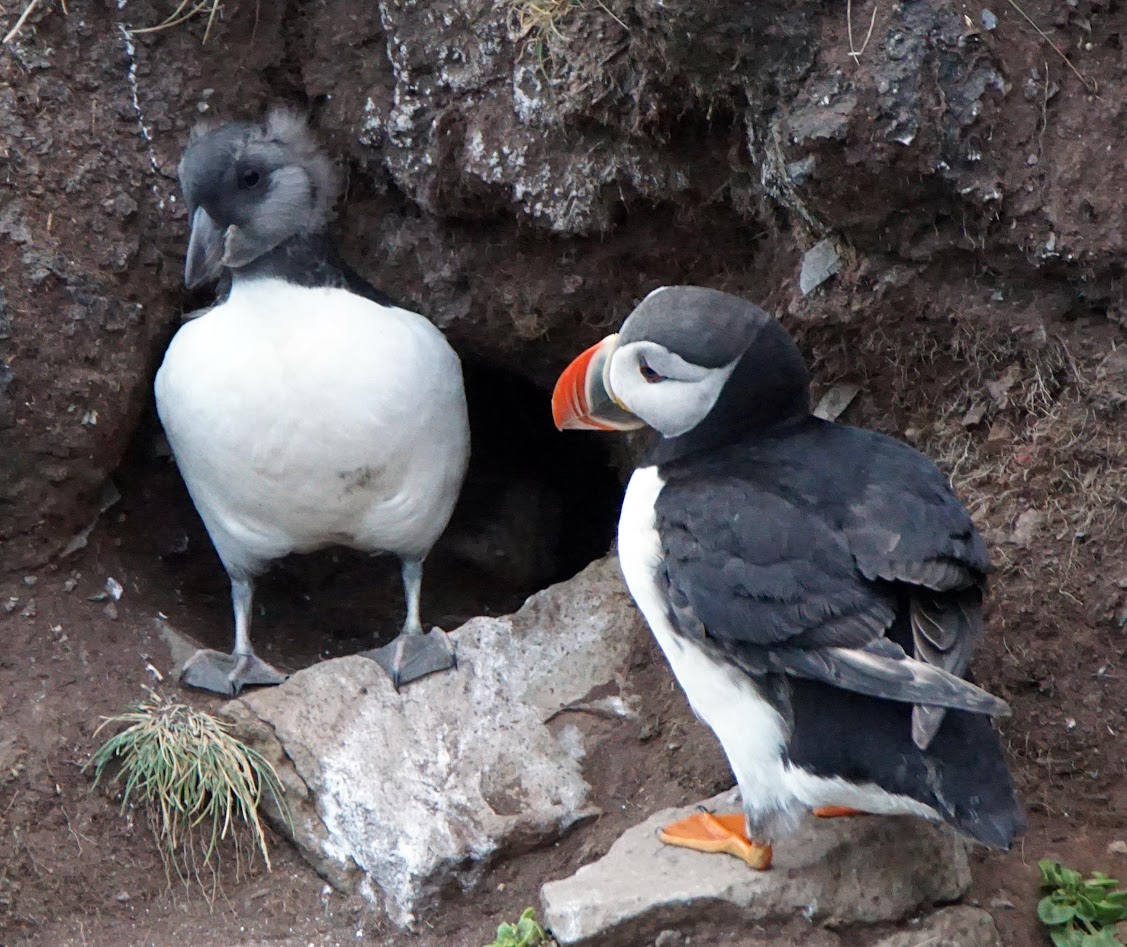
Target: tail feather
{"x": 885, "y": 671}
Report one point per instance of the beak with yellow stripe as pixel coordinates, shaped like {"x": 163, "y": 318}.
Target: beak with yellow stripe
{"x": 583, "y": 400}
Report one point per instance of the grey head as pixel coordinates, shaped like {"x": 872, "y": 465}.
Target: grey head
{"x": 249, "y": 187}
{"x": 691, "y": 359}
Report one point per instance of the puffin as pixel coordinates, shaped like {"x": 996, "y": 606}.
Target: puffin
{"x": 816, "y": 588}
{"x": 304, "y": 408}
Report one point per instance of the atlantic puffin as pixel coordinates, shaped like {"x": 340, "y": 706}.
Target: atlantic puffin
{"x": 816, "y": 588}
{"x": 304, "y": 409}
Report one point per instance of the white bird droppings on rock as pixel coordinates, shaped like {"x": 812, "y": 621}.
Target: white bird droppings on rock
{"x": 839, "y": 871}
{"x": 402, "y": 796}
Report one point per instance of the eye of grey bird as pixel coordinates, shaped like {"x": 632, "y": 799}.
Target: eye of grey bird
{"x": 649, "y": 374}
{"x": 249, "y": 179}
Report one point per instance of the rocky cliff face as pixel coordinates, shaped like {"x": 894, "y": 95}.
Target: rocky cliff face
{"x": 523, "y": 172}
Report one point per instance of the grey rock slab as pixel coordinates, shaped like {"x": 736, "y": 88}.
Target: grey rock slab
{"x": 837, "y": 871}
{"x": 959, "y": 926}
{"x": 819, "y": 263}
{"x": 402, "y": 795}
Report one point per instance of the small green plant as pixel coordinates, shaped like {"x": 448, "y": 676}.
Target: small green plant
{"x": 197, "y": 783}
{"x": 1079, "y": 912}
{"x": 525, "y": 933}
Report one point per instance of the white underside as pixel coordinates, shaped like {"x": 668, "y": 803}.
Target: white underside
{"x": 751, "y": 731}
{"x": 305, "y": 417}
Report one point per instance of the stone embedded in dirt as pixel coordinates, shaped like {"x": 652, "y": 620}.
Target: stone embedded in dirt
{"x": 1024, "y": 529}
{"x": 959, "y": 926}
{"x": 833, "y": 403}
{"x": 819, "y": 263}
{"x": 839, "y": 871}
{"x": 402, "y": 796}
{"x": 1118, "y": 847}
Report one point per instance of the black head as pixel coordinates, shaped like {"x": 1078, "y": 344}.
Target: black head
{"x": 250, "y": 186}
{"x": 700, "y": 366}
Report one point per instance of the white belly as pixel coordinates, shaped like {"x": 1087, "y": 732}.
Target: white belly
{"x": 751, "y": 731}
{"x": 302, "y": 417}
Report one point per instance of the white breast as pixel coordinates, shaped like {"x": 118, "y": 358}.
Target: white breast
{"x": 750, "y": 730}
{"x": 301, "y": 417}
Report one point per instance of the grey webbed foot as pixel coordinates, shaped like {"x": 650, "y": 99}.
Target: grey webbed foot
{"x": 411, "y": 656}
{"x": 228, "y": 674}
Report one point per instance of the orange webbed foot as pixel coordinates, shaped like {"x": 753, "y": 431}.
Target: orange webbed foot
{"x": 706, "y": 832}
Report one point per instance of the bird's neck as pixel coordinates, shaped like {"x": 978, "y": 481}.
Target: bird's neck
{"x": 718, "y": 433}
{"x": 304, "y": 259}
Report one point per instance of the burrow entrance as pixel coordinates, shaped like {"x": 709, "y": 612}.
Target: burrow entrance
{"x": 537, "y": 506}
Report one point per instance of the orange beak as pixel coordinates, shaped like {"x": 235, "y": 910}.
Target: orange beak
{"x": 582, "y": 401}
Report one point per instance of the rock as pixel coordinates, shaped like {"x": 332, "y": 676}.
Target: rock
{"x": 840, "y": 871}
{"x": 819, "y": 263}
{"x": 1118, "y": 847}
{"x": 1024, "y": 529}
{"x": 402, "y": 796}
{"x": 833, "y": 403}
{"x": 959, "y": 926}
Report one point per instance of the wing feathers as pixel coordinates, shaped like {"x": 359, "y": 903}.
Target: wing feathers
{"x": 875, "y": 673}
{"x": 945, "y": 632}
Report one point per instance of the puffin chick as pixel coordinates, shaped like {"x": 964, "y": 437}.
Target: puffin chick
{"x": 304, "y": 409}
{"x": 816, "y": 588}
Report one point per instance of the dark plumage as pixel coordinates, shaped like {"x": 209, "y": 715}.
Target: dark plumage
{"x": 818, "y": 536}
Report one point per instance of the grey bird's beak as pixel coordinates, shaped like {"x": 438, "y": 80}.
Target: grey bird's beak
{"x": 205, "y": 251}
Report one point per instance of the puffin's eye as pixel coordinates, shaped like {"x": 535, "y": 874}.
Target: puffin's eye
{"x": 249, "y": 179}
{"x": 648, "y": 373}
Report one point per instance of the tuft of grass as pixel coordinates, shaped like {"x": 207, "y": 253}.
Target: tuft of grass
{"x": 197, "y": 783}
{"x": 525, "y": 933}
{"x": 1079, "y": 912}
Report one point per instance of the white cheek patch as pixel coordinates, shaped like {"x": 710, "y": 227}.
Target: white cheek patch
{"x": 675, "y": 405}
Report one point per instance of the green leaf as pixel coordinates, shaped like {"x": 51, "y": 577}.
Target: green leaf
{"x": 1104, "y": 938}
{"x": 1052, "y": 911}
{"x": 1107, "y": 913}
{"x": 1066, "y": 937}
{"x": 1050, "y": 872}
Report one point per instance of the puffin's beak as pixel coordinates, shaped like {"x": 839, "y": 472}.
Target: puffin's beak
{"x": 205, "y": 251}
{"x": 582, "y": 400}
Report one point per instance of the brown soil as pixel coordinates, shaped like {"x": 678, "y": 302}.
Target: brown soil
{"x": 73, "y": 870}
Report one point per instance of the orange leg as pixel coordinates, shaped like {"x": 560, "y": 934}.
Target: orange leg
{"x": 705, "y": 832}
{"x": 836, "y": 812}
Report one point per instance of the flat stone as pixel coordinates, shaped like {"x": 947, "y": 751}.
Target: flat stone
{"x": 835, "y": 871}
{"x": 958, "y": 926}
{"x": 401, "y": 796}
{"x": 819, "y": 263}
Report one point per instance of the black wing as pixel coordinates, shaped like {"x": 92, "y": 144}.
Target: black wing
{"x": 802, "y": 567}
{"x": 908, "y": 527}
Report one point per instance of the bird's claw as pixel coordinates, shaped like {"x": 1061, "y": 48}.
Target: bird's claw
{"x": 228, "y": 674}
{"x": 412, "y": 656}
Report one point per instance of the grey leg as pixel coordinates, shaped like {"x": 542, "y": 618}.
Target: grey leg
{"x": 414, "y": 653}
{"x": 228, "y": 674}
{"x": 412, "y": 589}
